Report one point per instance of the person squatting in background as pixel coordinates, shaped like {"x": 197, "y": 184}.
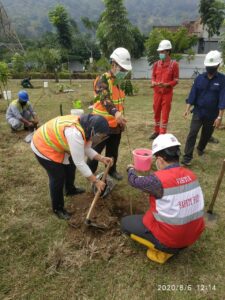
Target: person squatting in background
{"x": 26, "y": 83}
{"x": 20, "y": 113}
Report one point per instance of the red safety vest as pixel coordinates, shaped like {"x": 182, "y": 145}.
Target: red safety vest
{"x": 176, "y": 219}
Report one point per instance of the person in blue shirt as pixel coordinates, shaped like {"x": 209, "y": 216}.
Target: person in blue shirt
{"x": 208, "y": 98}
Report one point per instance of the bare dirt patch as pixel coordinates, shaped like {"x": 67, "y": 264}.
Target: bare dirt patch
{"x": 108, "y": 212}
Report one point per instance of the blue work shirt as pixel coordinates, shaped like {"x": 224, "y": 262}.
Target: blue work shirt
{"x": 208, "y": 95}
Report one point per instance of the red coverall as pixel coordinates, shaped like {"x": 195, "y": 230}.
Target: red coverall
{"x": 163, "y": 72}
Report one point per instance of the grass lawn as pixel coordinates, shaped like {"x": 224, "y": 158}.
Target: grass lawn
{"x": 41, "y": 257}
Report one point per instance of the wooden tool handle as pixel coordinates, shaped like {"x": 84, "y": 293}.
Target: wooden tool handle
{"x": 97, "y": 195}
{"x": 219, "y": 180}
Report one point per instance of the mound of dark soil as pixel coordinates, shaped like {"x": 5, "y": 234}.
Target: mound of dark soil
{"x": 107, "y": 213}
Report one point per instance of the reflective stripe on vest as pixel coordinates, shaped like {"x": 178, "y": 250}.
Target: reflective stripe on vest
{"x": 178, "y": 221}
{"x": 117, "y": 97}
{"x": 180, "y": 205}
{"x": 180, "y": 188}
{"x": 51, "y": 136}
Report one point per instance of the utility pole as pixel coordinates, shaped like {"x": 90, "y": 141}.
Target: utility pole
{"x": 8, "y": 36}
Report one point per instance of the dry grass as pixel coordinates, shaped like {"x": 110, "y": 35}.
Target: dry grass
{"x": 41, "y": 259}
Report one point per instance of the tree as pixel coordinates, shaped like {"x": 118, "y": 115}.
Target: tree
{"x": 18, "y": 62}
{"x": 4, "y": 77}
{"x": 114, "y": 29}
{"x": 47, "y": 40}
{"x": 212, "y": 15}
{"x": 46, "y": 60}
{"x": 180, "y": 40}
{"x": 89, "y": 38}
{"x": 222, "y": 46}
{"x": 60, "y": 19}
{"x": 139, "y": 41}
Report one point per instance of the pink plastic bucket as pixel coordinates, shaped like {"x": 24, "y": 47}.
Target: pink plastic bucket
{"x": 142, "y": 159}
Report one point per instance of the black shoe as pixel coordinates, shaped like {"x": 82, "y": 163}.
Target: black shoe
{"x": 186, "y": 162}
{"x": 213, "y": 140}
{"x": 116, "y": 175}
{"x": 200, "y": 152}
{"x": 154, "y": 136}
{"x": 62, "y": 214}
{"x": 75, "y": 191}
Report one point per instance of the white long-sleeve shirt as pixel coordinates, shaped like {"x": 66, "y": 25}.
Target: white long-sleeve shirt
{"x": 78, "y": 151}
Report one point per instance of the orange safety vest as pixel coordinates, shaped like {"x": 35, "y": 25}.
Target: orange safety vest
{"x": 50, "y": 139}
{"x": 117, "y": 96}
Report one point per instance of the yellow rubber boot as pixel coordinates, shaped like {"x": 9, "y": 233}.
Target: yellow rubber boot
{"x": 142, "y": 241}
{"x": 158, "y": 256}
{"x": 152, "y": 253}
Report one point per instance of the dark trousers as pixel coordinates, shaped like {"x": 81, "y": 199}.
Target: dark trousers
{"x": 206, "y": 133}
{"x": 111, "y": 145}
{"x": 59, "y": 176}
{"x": 134, "y": 225}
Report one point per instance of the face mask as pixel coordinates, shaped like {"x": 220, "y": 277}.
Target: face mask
{"x": 121, "y": 75}
{"x": 22, "y": 102}
{"x": 162, "y": 56}
{"x": 211, "y": 70}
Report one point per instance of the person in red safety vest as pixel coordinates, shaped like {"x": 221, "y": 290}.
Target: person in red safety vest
{"x": 175, "y": 218}
{"x": 165, "y": 76}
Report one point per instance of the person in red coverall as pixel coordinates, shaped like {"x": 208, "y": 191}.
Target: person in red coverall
{"x": 175, "y": 218}
{"x": 165, "y": 76}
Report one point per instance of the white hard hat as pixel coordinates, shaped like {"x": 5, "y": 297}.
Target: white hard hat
{"x": 122, "y": 57}
{"x": 164, "y": 45}
{"x": 164, "y": 141}
{"x": 213, "y": 58}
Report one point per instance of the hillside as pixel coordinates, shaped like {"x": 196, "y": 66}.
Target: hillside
{"x": 30, "y": 17}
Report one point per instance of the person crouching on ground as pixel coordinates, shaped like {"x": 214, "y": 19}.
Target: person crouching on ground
{"x": 175, "y": 218}
{"x": 26, "y": 83}
{"x": 20, "y": 113}
{"x": 57, "y": 141}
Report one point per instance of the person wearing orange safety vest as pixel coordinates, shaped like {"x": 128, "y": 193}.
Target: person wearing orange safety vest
{"x": 175, "y": 218}
{"x": 165, "y": 76}
{"x": 109, "y": 103}
{"x": 60, "y": 146}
